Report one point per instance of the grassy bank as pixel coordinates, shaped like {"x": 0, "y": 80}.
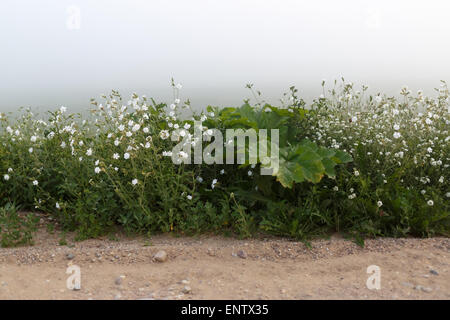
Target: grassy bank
{"x": 349, "y": 162}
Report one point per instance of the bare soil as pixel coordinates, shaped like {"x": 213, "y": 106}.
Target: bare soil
{"x": 225, "y": 268}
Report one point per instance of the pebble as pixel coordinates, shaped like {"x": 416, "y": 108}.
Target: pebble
{"x": 185, "y": 281}
{"x": 424, "y": 289}
{"x": 434, "y": 272}
{"x": 160, "y": 256}
{"x": 117, "y": 296}
{"x": 118, "y": 281}
{"x": 242, "y": 254}
{"x": 70, "y": 256}
{"x": 187, "y": 290}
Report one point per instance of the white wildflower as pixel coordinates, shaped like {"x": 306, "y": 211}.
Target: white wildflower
{"x": 164, "y": 134}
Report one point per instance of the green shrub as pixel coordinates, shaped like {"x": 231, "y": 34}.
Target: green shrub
{"x": 366, "y": 166}
{"x": 15, "y": 229}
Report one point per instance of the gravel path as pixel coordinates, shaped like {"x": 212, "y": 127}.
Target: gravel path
{"x": 165, "y": 267}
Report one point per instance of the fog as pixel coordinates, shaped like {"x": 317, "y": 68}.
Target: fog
{"x": 65, "y": 52}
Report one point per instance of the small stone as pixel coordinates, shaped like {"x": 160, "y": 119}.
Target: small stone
{"x": 187, "y": 290}
{"x": 242, "y": 254}
{"x": 117, "y": 296}
{"x": 434, "y": 272}
{"x": 424, "y": 289}
{"x": 118, "y": 281}
{"x": 185, "y": 281}
{"x": 160, "y": 256}
{"x": 70, "y": 256}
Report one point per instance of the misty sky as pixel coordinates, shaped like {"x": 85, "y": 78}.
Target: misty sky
{"x": 49, "y": 57}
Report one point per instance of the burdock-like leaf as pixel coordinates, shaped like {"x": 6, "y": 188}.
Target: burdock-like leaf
{"x": 307, "y": 162}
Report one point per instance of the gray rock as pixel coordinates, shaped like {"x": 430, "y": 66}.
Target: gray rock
{"x": 160, "y": 256}
{"x": 242, "y": 254}
{"x": 434, "y": 272}
{"x": 118, "y": 281}
{"x": 70, "y": 256}
{"x": 424, "y": 289}
{"x": 186, "y": 290}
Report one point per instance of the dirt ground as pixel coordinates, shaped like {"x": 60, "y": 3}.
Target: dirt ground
{"x": 222, "y": 268}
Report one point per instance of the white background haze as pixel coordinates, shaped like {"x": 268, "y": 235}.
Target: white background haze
{"x": 215, "y": 47}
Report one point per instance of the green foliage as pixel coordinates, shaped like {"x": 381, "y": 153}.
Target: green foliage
{"x": 308, "y": 162}
{"x": 367, "y": 167}
{"x": 15, "y": 229}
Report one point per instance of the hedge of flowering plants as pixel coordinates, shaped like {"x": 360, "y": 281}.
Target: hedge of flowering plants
{"x": 349, "y": 162}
